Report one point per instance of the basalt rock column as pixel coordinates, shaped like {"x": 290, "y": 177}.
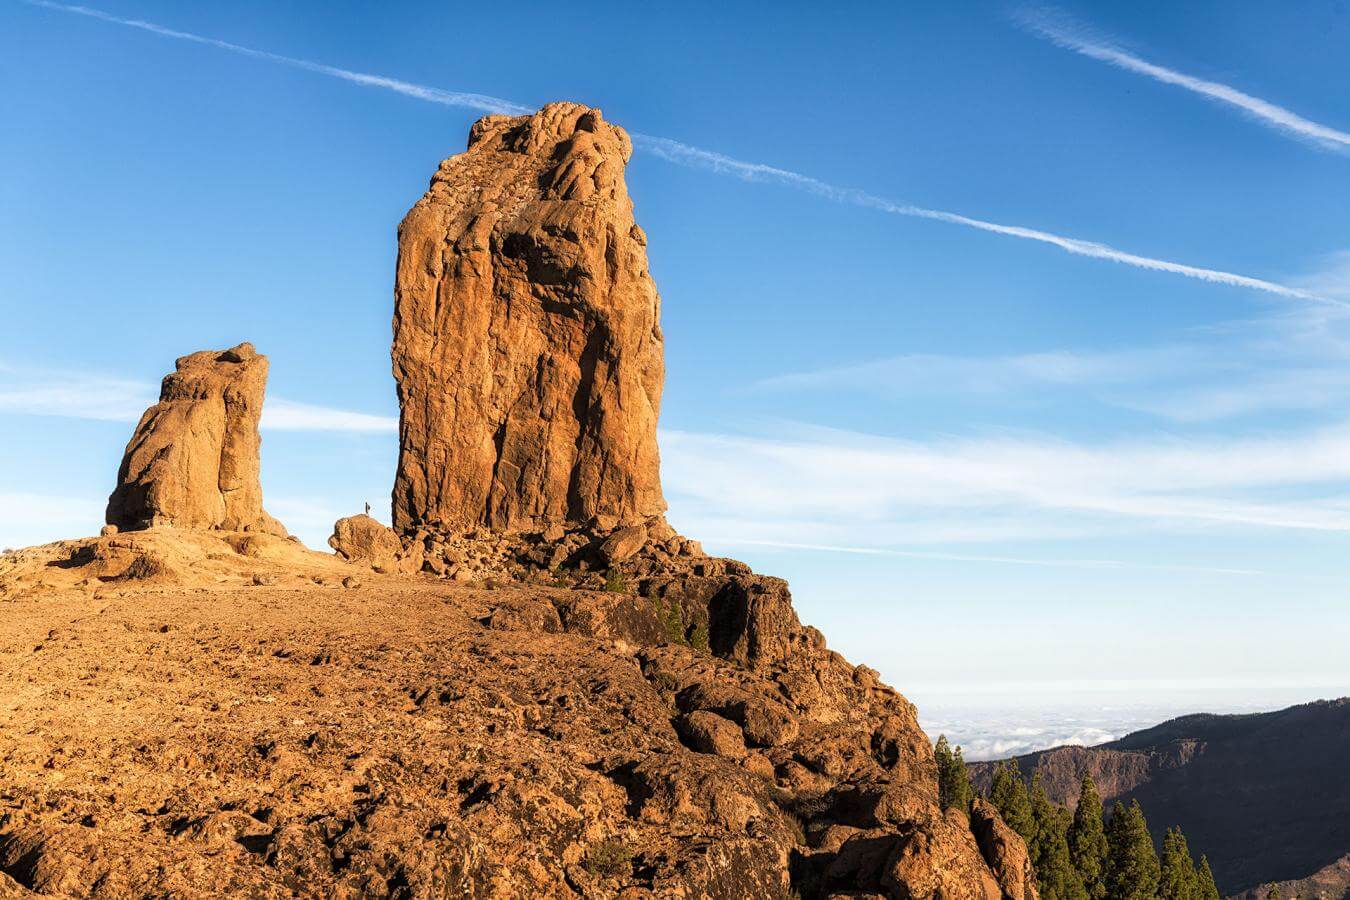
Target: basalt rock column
{"x": 527, "y": 347}
{"x": 193, "y": 459}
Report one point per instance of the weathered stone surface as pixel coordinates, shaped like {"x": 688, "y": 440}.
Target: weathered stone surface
{"x": 940, "y": 861}
{"x": 527, "y": 347}
{"x": 708, "y": 732}
{"x": 361, "y": 538}
{"x": 193, "y": 459}
{"x": 1003, "y": 850}
{"x": 623, "y": 544}
{"x": 12, "y": 890}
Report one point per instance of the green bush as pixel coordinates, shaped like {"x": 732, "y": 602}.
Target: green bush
{"x": 609, "y": 859}
{"x": 673, "y": 620}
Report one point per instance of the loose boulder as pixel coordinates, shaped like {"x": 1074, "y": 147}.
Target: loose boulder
{"x": 708, "y": 732}
{"x": 361, "y": 538}
{"x": 622, "y": 544}
{"x": 193, "y": 460}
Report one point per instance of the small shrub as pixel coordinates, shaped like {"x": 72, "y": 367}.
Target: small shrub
{"x": 560, "y": 580}
{"x": 673, "y": 620}
{"x": 699, "y": 639}
{"x": 614, "y": 582}
{"x": 666, "y": 685}
{"x": 609, "y": 859}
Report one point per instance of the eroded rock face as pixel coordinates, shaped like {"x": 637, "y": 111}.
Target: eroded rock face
{"x": 1005, "y": 851}
{"x": 193, "y": 459}
{"x": 527, "y": 347}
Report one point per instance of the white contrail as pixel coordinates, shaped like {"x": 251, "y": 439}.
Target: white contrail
{"x": 716, "y": 162}
{"x": 685, "y": 155}
{"x": 1263, "y": 111}
{"x": 421, "y": 92}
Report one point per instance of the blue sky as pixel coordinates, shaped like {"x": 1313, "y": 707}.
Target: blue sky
{"x": 1016, "y": 337}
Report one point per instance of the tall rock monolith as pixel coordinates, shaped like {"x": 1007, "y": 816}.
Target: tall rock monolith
{"x": 193, "y": 461}
{"x": 527, "y": 347}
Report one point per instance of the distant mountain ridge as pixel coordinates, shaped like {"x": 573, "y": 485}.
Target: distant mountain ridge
{"x": 1265, "y": 796}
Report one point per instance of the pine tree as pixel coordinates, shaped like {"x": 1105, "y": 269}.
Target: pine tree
{"x": 1049, "y": 849}
{"x": 953, "y": 780}
{"x": 1008, "y": 793}
{"x": 1178, "y": 879}
{"x": 942, "y": 755}
{"x": 1132, "y": 867}
{"x": 1087, "y": 841}
{"x": 964, "y": 791}
{"x": 1207, "y": 889}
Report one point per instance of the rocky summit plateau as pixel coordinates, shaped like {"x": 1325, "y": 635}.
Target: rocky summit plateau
{"x": 530, "y": 686}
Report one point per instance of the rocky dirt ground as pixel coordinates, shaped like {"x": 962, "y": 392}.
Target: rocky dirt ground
{"x": 207, "y": 714}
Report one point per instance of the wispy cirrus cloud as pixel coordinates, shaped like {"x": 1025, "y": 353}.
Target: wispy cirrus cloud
{"x": 861, "y": 493}
{"x": 696, "y": 157}
{"x": 280, "y": 414}
{"x": 1062, "y": 31}
{"x": 28, "y": 518}
{"x": 102, "y": 398}
{"x": 1183, "y": 383}
{"x": 993, "y": 375}
{"x": 1295, "y": 361}
{"x": 1331, "y": 278}
{"x": 80, "y": 395}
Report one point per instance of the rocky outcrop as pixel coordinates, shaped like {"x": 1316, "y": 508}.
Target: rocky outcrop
{"x": 527, "y": 347}
{"x": 256, "y": 729}
{"x": 536, "y": 688}
{"x": 528, "y": 355}
{"x": 1005, "y": 851}
{"x": 193, "y": 460}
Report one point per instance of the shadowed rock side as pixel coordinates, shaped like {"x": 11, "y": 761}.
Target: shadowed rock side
{"x": 193, "y": 461}
{"x": 1264, "y": 796}
{"x": 526, "y": 347}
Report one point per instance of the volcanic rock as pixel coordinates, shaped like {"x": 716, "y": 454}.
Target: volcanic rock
{"x": 622, "y": 544}
{"x": 193, "y": 459}
{"x": 527, "y": 347}
{"x": 361, "y": 538}
{"x": 1004, "y": 850}
{"x": 708, "y": 732}
{"x": 228, "y": 736}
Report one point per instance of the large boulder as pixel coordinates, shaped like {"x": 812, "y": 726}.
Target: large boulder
{"x": 361, "y": 538}
{"x": 193, "y": 459}
{"x": 527, "y": 347}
